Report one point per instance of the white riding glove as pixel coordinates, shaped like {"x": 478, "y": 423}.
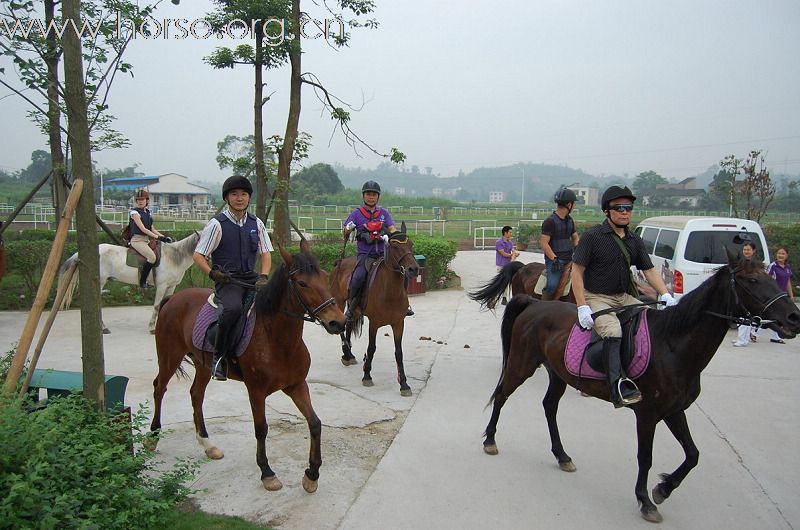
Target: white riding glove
{"x": 385, "y": 238}
{"x": 667, "y": 299}
{"x": 585, "y": 316}
{"x": 350, "y": 225}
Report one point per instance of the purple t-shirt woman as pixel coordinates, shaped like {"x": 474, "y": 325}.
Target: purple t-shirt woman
{"x": 360, "y": 220}
{"x": 782, "y": 275}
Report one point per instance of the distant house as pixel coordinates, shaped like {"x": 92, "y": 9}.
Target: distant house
{"x": 674, "y": 194}
{"x": 168, "y": 190}
{"x": 399, "y": 190}
{"x": 497, "y": 196}
{"x": 589, "y": 196}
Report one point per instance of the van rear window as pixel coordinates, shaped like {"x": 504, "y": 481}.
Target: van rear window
{"x": 709, "y": 247}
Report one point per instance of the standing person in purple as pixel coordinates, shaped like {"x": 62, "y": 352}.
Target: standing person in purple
{"x": 504, "y": 253}
{"x": 233, "y": 240}
{"x": 781, "y": 270}
{"x": 372, "y": 225}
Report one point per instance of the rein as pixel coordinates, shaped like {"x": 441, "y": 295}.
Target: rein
{"x": 747, "y": 319}
{"x": 309, "y": 315}
{"x": 622, "y": 308}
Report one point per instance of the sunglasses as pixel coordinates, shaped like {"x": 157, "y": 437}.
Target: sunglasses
{"x": 621, "y": 208}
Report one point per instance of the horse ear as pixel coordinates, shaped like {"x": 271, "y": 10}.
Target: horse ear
{"x": 403, "y": 227}
{"x": 305, "y": 248}
{"x": 733, "y": 256}
{"x": 285, "y": 254}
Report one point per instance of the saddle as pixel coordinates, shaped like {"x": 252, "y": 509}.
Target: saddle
{"x": 204, "y": 332}
{"x": 372, "y": 265}
{"x": 541, "y": 283}
{"x": 134, "y": 259}
{"x": 583, "y": 355}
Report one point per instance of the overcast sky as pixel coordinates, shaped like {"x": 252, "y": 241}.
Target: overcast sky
{"x": 611, "y": 86}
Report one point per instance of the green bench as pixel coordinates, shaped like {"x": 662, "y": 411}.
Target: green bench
{"x": 63, "y": 383}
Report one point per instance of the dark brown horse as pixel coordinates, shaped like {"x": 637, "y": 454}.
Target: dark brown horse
{"x": 276, "y": 358}
{"x": 683, "y": 340}
{"x": 387, "y": 302}
{"x": 523, "y": 279}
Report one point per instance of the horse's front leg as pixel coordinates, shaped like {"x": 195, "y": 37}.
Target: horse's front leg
{"x": 680, "y": 429}
{"x": 645, "y": 430}
{"x": 397, "y": 331}
{"x": 258, "y": 405}
{"x": 161, "y": 289}
{"x": 555, "y": 390}
{"x": 302, "y": 399}
{"x": 373, "y": 333}
{"x": 347, "y": 352}
{"x": 103, "y": 326}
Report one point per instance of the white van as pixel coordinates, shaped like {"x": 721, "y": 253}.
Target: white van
{"x": 688, "y": 250}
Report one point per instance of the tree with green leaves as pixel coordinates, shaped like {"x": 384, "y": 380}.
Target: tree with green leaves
{"x": 647, "y": 181}
{"x": 35, "y": 50}
{"x": 262, "y": 55}
{"x": 316, "y": 180}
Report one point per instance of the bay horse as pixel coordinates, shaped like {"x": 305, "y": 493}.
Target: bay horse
{"x": 387, "y": 302}
{"x": 523, "y": 279}
{"x": 176, "y": 258}
{"x": 275, "y": 359}
{"x": 683, "y": 338}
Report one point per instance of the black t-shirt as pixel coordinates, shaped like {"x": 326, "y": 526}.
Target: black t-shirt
{"x": 606, "y": 267}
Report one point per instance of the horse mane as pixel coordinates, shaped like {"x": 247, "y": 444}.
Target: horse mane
{"x": 676, "y": 320}
{"x": 268, "y": 299}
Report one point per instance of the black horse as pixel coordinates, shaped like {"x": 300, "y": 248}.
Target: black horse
{"x": 683, "y": 340}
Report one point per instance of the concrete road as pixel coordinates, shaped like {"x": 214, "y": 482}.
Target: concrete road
{"x": 393, "y": 462}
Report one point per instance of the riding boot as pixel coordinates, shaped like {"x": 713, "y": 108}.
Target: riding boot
{"x": 409, "y": 311}
{"x": 219, "y": 363}
{"x": 146, "y": 268}
{"x": 352, "y": 302}
{"x": 623, "y": 390}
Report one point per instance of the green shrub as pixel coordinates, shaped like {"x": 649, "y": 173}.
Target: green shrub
{"x": 438, "y": 252}
{"x": 68, "y": 466}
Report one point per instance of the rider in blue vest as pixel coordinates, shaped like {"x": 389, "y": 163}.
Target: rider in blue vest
{"x": 141, "y": 230}
{"x": 233, "y": 240}
{"x": 558, "y": 239}
{"x": 372, "y": 224}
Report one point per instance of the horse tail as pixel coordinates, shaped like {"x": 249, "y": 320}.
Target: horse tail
{"x": 73, "y": 281}
{"x": 515, "y": 307}
{"x": 489, "y": 293}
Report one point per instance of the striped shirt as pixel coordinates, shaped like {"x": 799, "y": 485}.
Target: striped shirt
{"x": 212, "y": 233}
{"x": 606, "y": 269}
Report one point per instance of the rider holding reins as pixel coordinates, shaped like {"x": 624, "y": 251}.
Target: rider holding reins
{"x": 141, "y": 230}
{"x": 602, "y": 279}
{"x": 558, "y": 239}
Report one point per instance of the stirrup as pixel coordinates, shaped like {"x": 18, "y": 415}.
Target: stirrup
{"x": 634, "y": 395}
{"x": 219, "y": 370}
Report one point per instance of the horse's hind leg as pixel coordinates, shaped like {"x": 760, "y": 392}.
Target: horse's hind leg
{"x": 669, "y": 482}
{"x": 167, "y": 365}
{"x": 258, "y": 405}
{"x": 397, "y": 331}
{"x": 555, "y": 391}
{"x": 198, "y": 391}
{"x": 513, "y": 376}
{"x": 302, "y": 399}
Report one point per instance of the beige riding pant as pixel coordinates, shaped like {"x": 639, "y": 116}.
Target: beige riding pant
{"x": 139, "y": 243}
{"x": 608, "y": 325}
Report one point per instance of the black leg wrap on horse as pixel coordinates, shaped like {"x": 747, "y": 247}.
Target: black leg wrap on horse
{"x": 623, "y": 390}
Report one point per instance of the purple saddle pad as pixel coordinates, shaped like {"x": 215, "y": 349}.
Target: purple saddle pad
{"x": 577, "y": 364}
{"x": 206, "y": 317}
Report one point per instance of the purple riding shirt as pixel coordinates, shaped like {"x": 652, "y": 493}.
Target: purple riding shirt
{"x": 362, "y": 247}
{"x": 782, "y": 275}
{"x": 507, "y": 246}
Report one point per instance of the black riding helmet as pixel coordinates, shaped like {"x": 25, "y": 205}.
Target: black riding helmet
{"x": 565, "y": 196}
{"x": 371, "y": 185}
{"x": 236, "y": 182}
{"x": 616, "y": 192}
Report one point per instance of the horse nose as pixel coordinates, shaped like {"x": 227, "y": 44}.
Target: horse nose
{"x": 794, "y": 319}
{"x": 413, "y": 271}
{"x": 336, "y": 327}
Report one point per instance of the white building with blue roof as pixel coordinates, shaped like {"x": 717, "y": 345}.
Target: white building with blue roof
{"x": 170, "y": 190}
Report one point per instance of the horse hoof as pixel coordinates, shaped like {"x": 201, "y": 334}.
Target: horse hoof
{"x": 152, "y": 332}
{"x": 405, "y": 392}
{"x": 367, "y": 382}
{"x": 490, "y": 449}
{"x": 273, "y": 484}
{"x": 106, "y": 331}
{"x": 569, "y": 466}
{"x": 214, "y": 453}
{"x": 349, "y": 362}
{"x": 658, "y": 496}
{"x": 651, "y": 515}
{"x": 309, "y": 485}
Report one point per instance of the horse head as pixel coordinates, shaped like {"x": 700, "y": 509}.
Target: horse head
{"x": 308, "y": 283}
{"x": 755, "y": 292}
{"x": 400, "y": 255}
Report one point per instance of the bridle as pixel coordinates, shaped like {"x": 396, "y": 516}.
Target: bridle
{"x": 397, "y": 267}
{"x": 309, "y": 315}
{"x": 734, "y": 303}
